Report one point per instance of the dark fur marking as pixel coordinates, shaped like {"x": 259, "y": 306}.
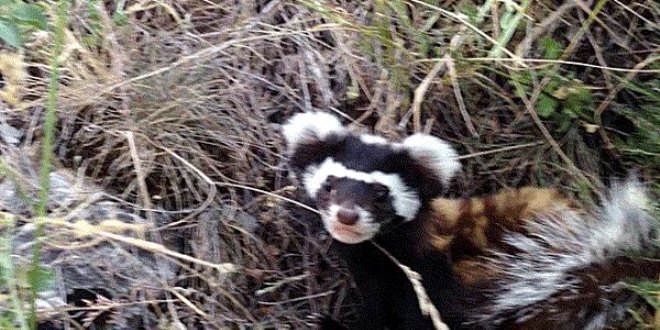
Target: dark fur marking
{"x": 349, "y": 192}
{"x": 354, "y": 154}
{"x": 388, "y": 297}
{"x": 313, "y": 153}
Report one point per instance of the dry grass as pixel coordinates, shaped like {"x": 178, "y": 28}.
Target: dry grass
{"x": 173, "y": 106}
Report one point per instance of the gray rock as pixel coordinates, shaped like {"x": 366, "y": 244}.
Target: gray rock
{"x": 79, "y": 248}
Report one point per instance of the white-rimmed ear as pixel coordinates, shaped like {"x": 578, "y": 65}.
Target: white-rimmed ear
{"x": 309, "y": 127}
{"x": 434, "y": 153}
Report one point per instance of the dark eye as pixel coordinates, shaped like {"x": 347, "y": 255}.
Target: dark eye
{"x": 381, "y": 193}
{"x": 328, "y": 184}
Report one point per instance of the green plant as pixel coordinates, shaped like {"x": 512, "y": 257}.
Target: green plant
{"x": 563, "y": 100}
{"x": 643, "y": 144}
{"x": 8, "y": 279}
{"x": 17, "y": 18}
{"x": 510, "y": 21}
{"x": 37, "y": 273}
{"x": 18, "y": 280}
{"x": 24, "y": 283}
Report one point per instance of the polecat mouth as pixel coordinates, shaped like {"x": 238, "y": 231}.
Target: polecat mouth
{"x": 347, "y": 234}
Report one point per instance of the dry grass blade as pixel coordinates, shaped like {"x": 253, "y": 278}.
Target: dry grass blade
{"x": 421, "y": 90}
{"x": 85, "y": 229}
{"x": 424, "y": 301}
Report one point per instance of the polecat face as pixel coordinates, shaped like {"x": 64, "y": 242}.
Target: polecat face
{"x": 354, "y": 208}
{"x": 353, "y": 211}
{"x": 364, "y": 184}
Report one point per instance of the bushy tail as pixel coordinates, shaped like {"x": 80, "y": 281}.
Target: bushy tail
{"x": 569, "y": 271}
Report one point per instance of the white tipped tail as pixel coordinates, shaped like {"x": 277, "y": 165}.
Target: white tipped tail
{"x": 571, "y": 267}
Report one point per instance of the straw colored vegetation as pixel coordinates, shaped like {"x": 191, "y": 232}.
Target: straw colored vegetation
{"x": 172, "y": 108}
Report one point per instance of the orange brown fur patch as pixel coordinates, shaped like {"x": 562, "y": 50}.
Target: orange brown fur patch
{"x": 469, "y": 227}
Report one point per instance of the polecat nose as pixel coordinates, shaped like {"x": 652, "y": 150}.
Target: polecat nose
{"x": 347, "y": 217}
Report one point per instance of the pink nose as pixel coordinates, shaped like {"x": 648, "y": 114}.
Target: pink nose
{"x": 347, "y": 217}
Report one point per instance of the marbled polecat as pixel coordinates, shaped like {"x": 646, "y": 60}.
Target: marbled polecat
{"x": 549, "y": 264}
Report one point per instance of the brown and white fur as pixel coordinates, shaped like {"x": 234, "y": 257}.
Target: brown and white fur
{"x": 540, "y": 245}
{"x": 568, "y": 268}
{"x": 472, "y": 227}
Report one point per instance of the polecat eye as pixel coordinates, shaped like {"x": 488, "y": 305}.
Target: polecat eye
{"x": 382, "y": 193}
{"x": 328, "y": 184}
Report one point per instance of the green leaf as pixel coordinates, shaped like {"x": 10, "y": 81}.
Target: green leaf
{"x": 563, "y": 123}
{"x": 648, "y": 290}
{"x": 7, "y": 321}
{"x": 41, "y": 278}
{"x": 552, "y": 49}
{"x": 523, "y": 78}
{"x": 10, "y": 33}
{"x": 546, "y": 106}
{"x": 3, "y": 276}
{"x": 580, "y": 102}
{"x": 555, "y": 82}
{"x": 30, "y": 14}
{"x": 120, "y": 18}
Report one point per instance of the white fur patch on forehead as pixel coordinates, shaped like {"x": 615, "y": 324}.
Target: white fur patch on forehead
{"x": 373, "y": 139}
{"x": 309, "y": 127}
{"x": 404, "y": 199}
{"x": 435, "y": 153}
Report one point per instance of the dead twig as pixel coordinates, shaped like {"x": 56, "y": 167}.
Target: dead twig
{"x": 425, "y": 303}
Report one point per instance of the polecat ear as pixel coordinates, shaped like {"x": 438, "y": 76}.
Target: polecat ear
{"x": 309, "y": 128}
{"x": 435, "y": 154}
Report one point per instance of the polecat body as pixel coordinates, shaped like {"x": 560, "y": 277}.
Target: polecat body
{"x": 568, "y": 271}
{"x": 369, "y": 189}
{"x": 470, "y": 228}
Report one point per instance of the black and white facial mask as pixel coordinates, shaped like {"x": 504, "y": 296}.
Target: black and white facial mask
{"x": 362, "y": 182}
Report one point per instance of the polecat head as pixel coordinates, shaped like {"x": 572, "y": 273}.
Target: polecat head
{"x": 364, "y": 184}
